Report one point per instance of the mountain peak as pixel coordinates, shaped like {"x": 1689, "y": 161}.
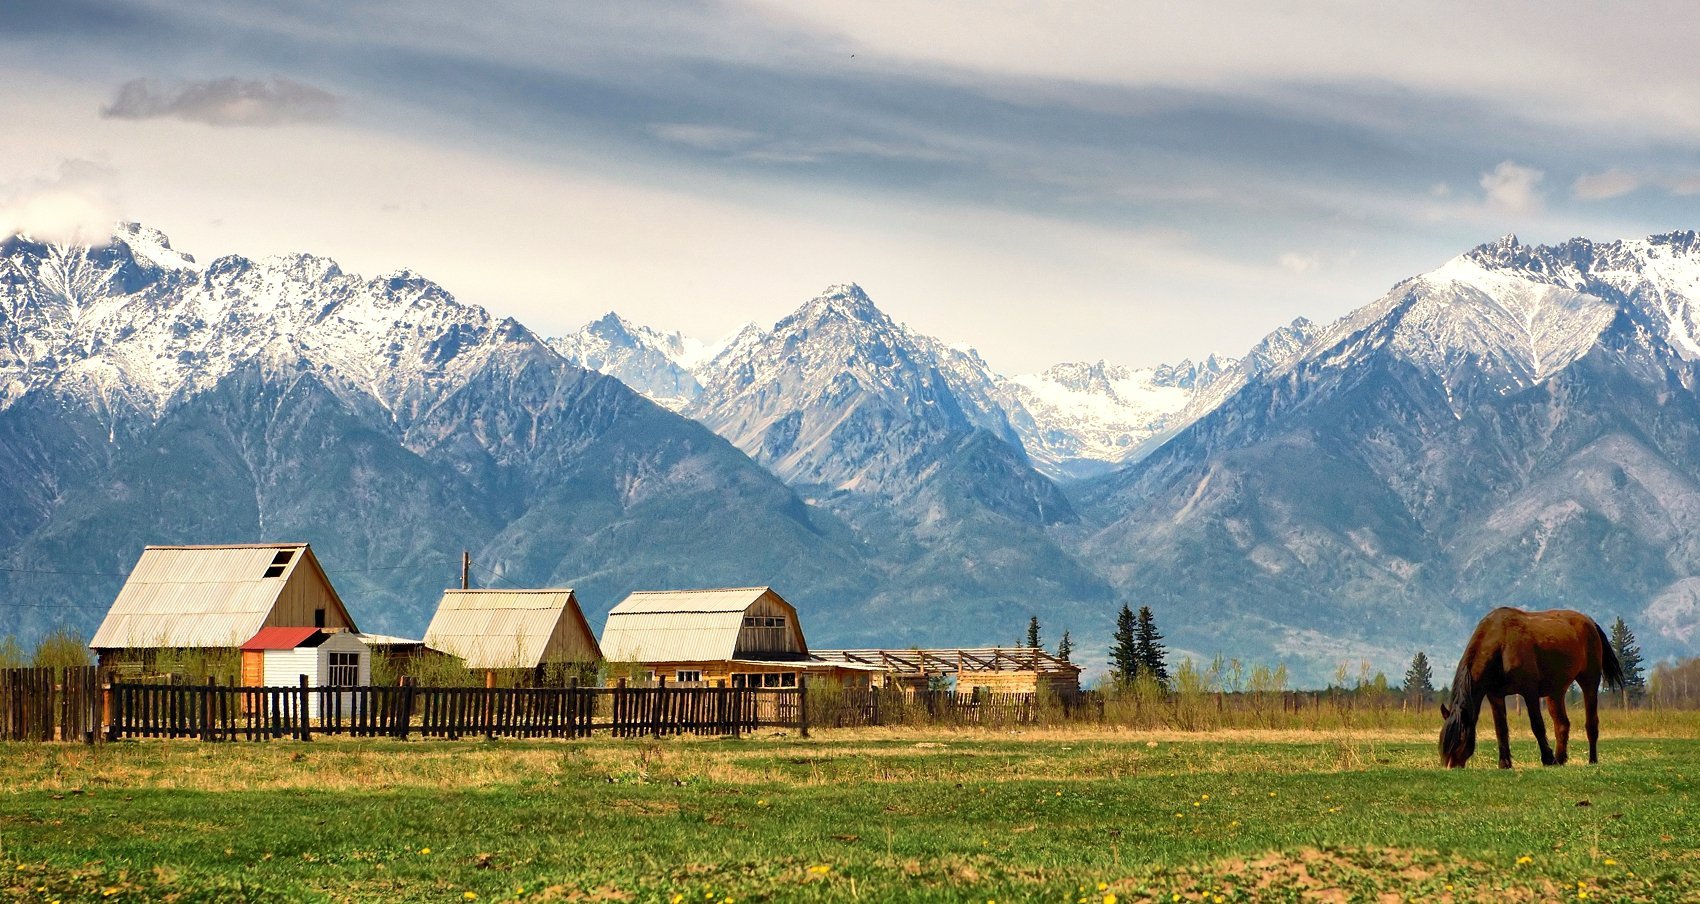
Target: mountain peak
{"x": 847, "y": 301}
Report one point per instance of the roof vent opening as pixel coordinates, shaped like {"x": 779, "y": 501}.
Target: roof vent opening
{"x": 279, "y": 562}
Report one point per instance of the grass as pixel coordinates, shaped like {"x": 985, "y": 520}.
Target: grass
{"x": 874, "y": 815}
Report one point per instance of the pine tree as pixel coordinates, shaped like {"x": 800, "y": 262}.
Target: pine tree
{"x": 1033, "y": 633}
{"x": 1124, "y": 649}
{"x": 1065, "y": 647}
{"x": 1419, "y": 678}
{"x": 1148, "y": 647}
{"x": 1629, "y": 657}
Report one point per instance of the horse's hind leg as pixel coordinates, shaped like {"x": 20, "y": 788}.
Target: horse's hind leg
{"x": 1560, "y": 727}
{"x": 1539, "y": 727}
{"x": 1501, "y": 729}
{"x": 1591, "y": 711}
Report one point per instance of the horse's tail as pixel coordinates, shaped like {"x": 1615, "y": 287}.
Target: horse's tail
{"x": 1610, "y": 668}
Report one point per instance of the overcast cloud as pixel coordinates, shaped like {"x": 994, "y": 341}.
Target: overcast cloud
{"x": 1135, "y": 182}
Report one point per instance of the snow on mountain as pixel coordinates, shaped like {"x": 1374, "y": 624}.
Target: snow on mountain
{"x": 654, "y": 363}
{"x": 1081, "y": 415}
{"x": 139, "y": 328}
{"x": 838, "y": 394}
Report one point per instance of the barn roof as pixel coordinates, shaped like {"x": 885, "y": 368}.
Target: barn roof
{"x": 200, "y": 596}
{"x": 682, "y": 625}
{"x": 284, "y": 638}
{"x": 503, "y": 629}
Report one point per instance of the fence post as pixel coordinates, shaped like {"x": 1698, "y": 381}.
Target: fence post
{"x": 408, "y": 682}
{"x": 306, "y": 733}
{"x": 658, "y": 705}
{"x": 803, "y": 703}
{"x": 207, "y": 708}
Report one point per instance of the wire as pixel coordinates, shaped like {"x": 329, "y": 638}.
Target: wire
{"x": 499, "y": 578}
{"x": 425, "y": 564}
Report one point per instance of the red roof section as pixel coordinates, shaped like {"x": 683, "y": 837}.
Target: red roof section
{"x": 283, "y": 638}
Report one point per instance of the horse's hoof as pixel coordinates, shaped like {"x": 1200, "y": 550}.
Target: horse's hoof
{"x": 1505, "y": 764}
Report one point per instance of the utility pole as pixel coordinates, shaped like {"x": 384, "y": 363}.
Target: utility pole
{"x": 466, "y": 569}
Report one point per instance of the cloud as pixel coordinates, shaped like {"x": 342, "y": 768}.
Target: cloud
{"x": 76, "y": 205}
{"x": 1300, "y": 264}
{"x": 224, "y": 102}
{"x": 1612, "y": 183}
{"x": 1688, "y": 184}
{"x": 1513, "y": 188}
{"x": 705, "y": 137}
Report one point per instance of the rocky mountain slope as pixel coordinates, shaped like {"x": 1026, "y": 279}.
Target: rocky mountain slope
{"x": 1518, "y": 427}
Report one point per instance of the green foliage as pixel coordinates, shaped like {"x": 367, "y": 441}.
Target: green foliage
{"x": 1124, "y": 648}
{"x": 195, "y": 665}
{"x": 1065, "y": 648}
{"x": 61, "y": 648}
{"x": 1033, "y": 641}
{"x": 1628, "y": 656}
{"x": 1148, "y": 647}
{"x": 11, "y": 654}
{"x": 1419, "y": 678}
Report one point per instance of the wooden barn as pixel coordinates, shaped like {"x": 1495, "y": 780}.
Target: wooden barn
{"x": 512, "y": 630}
{"x": 746, "y": 636}
{"x": 214, "y": 598}
{"x": 996, "y": 670}
{"x": 279, "y": 657}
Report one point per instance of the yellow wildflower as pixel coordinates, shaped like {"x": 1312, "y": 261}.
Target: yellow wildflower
{"x": 1271, "y": 794}
{"x": 678, "y": 898}
{"x": 1103, "y": 885}
{"x": 1610, "y": 862}
{"x": 1205, "y": 796}
{"x": 1525, "y": 859}
{"x": 469, "y": 896}
{"x": 821, "y": 869}
{"x": 425, "y": 851}
{"x": 1109, "y": 899}
{"x": 108, "y": 892}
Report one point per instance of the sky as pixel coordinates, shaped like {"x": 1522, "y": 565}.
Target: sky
{"x": 1136, "y": 182}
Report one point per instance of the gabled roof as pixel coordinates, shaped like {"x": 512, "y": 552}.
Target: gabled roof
{"x": 201, "y": 596}
{"x": 280, "y": 638}
{"x": 505, "y": 629}
{"x": 684, "y": 625}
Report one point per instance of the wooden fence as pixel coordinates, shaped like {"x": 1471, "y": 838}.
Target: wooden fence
{"x": 857, "y": 707}
{"x": 211, "y": 712}
{"x": 47, "y": 704}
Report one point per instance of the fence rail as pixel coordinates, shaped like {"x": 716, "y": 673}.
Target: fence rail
{"x": 212, "y": 712}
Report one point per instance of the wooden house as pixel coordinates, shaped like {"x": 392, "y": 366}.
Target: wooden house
{"x": 214, "y": 598}
{"x": 997, "y": 670}
{"x": 746, "y": 636}
{"x": 280, "y": 657}
{"x": 502, "y": 630}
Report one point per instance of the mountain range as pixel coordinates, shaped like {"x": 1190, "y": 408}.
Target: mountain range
{"x": 1518, "y": 426}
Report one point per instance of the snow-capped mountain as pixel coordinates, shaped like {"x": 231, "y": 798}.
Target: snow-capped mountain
{"x": 659, "y": 365}
{"x": 841, "y": 396}
{"x": 147, "y": 398}
{"x": 1518, "y": 427}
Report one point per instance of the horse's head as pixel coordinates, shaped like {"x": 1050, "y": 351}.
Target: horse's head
{"x": 1457, "y": 735}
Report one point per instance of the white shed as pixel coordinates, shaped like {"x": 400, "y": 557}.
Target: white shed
{"x": 278, "y": 657}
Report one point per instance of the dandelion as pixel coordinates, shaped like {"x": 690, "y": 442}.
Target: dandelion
{"x": 108, "y": 892}
{"x": 424, "y": 852}
{"x": 821, "y": 869}
{"x": 1195, "y": 803}
{"x": 1204, "y": 796}
{"x": 469, "y": 896}
{"x": 1103, "y": 885}
{"x": 678, "y": 898}
{"x": 1525, "y": 860}
{"x": 1271, "y": 794}
{"x": 1610, "y": 862}
{"x": 1109, "y": 899}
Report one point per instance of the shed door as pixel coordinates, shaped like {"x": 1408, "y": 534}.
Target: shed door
{"x": 253, "y": 668}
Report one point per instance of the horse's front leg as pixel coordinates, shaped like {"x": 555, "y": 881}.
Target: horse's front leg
{"x": 1539, "y": 727}
{"x": 1503, "y": 730}
{"x": 1560, "y": 727}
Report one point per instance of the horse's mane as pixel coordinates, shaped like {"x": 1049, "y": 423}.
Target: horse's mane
{"x": 1610, "y": 668}
{"x": 1461, "y": 682}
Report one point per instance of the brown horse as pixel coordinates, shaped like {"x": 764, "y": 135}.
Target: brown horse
{"x": 1532, "y": 655}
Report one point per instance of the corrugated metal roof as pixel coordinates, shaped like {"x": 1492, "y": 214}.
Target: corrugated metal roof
{"x": 732, "y": 599}
{"x": 503, "y": 629}
{"x": 679, "y": 625}
{"x": 196, "y": 596}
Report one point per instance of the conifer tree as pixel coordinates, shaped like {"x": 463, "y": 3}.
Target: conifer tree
{"x": 1065, "y": 647}
{"x": 1124, "y": 648}
{"x": 1628, "y": 656}
{"x": 1419, "y": 678}
{"x": 1148, "y": 647}
{"x": 1033, "y": 633}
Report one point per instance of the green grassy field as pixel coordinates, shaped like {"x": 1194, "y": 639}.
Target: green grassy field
{"x": 873, "y": 816}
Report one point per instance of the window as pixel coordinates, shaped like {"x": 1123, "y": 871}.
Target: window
{"x": 345, "y": 669}
{"x": 764, "y": 621}
{"x": 318, "y": 618}
{"x": 279, "y": 562}
{"x": 788, "y": 679}
{"x": 683, "y": 675}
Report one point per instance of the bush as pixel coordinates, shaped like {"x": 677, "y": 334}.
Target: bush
{"x": 61, "y": 648}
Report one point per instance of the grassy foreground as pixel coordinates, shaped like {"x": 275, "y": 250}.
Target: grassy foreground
{"x": 871, "y": 815}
